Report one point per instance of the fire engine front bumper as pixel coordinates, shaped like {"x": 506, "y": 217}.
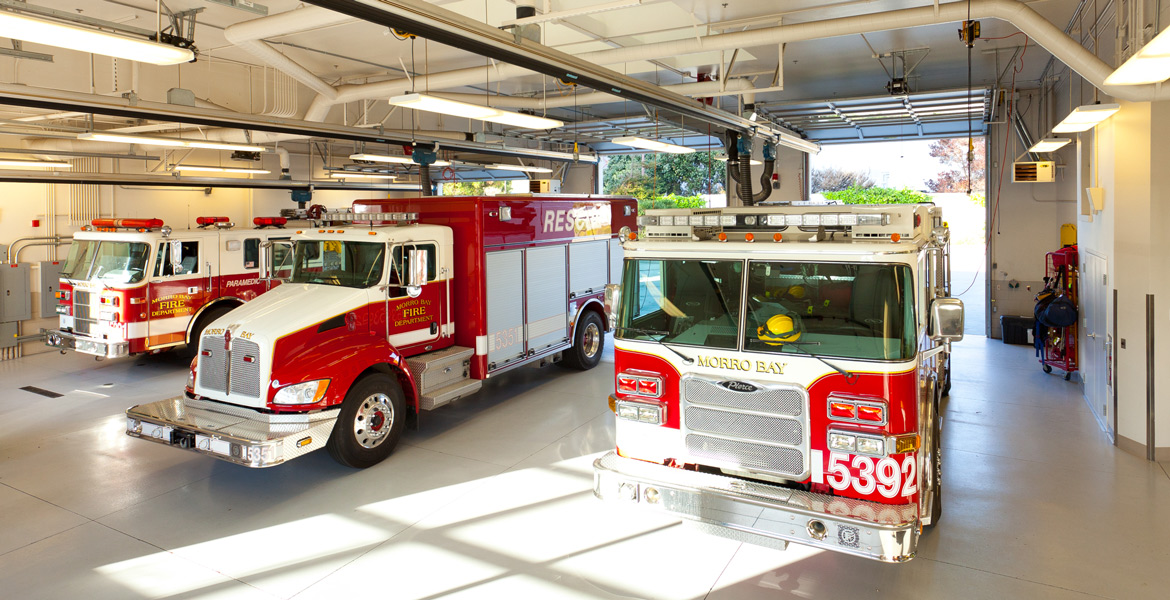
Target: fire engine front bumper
{"x": 233, "y": 433}
{"x": 64, "y": 340}
{"x": 759, "y": 513}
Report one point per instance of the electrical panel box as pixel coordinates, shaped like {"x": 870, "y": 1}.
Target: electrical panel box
{"x": 8, "y": 332}
{"x": 50, "y": 279}
{"x": 15, "y": 296}
{"x": 1042, "y": 171}
{"x": 544, "y": 186}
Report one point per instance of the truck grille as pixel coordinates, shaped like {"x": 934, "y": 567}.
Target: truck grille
{"x": 763, "y": 431}
{"x": 84, "y": 319}
{"x": 245, "y": 378}
{"x": 213, "y": 364}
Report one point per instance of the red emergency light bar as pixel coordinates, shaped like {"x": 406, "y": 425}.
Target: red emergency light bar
{"x": 127, "y": 223}
{"x": 263, "y": 222}
{"x": 205, "y": 221}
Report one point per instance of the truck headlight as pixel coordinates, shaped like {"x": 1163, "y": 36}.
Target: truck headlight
{"x": 309, "y": 392}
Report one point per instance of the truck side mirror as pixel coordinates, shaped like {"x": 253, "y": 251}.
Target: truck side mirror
{"x": 417, "y": 275}
{"x": 613, "y": 300}
{"x": 946, "y": 319}
{"x": 274, "y": 258}
{"x": 176, "y": 256}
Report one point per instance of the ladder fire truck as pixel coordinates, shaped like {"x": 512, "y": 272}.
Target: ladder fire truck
{"x": 131, "y": 286}
{"x": 779, "y": 372}
{"x": 396, "y": 307}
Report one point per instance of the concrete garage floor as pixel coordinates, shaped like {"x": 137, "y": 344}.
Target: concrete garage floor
{"x": 491, "y": 499}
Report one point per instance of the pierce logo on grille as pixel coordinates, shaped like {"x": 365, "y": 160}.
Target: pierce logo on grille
{"x": 738, "y": 386}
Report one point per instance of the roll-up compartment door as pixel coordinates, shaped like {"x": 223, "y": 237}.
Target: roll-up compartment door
{"x": 617, "y": 256}
{"x": 548, "y": 297}
{"x": 588, "y": 267}
{"x": 505, "y": 306}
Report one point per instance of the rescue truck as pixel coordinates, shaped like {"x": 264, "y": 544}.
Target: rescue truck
{"x": 393, "y": 308}
{"x": 778, "y": 373}
{"x": 131, "y": 286}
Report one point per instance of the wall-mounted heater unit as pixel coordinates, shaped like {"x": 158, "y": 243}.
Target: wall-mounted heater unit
{"x": 544, "y": 186}
{"x": 1041, "y": 171}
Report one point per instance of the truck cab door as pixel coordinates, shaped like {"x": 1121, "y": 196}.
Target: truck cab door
{"x": 416, "y": 300}
{"x": 180, "y": 284}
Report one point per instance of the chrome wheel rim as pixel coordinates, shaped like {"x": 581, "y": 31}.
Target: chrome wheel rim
{"x": 375, "y": 418}
{"x": 591, "y": 340}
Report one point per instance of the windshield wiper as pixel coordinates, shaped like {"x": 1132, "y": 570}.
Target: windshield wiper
{"x": 662, "y": 334}
{"x": 850, "y": 376}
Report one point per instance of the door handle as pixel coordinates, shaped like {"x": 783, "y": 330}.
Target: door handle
{"x": 1091, "y": 335}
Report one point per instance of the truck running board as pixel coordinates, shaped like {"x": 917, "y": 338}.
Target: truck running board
{"x": 443, "y": 376}
{"x": 232, "y": 433}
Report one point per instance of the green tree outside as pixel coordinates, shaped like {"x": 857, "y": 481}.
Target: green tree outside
{"x": 877, "y": 195}
{"x": 664, "y": 180}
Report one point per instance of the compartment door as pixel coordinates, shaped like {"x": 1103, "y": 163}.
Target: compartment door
{"x": 505, "y": 307}
{"x": 588, "y": 267}
{"x": 617, "y": 256}
{"x": 547, "y": 297}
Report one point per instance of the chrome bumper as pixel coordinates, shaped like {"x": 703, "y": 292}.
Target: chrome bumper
{"x": 759, "y": 513}
{"x": 233, "y": 433}
{"x": 64, "y": 340}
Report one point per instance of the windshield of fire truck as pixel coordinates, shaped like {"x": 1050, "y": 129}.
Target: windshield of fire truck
{"x": 107, "y": 262}
{"x": 693, "y": 302}
{"x": 828, "y": 309}
{"x": 334, "y": 262}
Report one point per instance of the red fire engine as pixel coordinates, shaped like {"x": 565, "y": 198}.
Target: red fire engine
{"x": 779, "y": 372}
{"x": 395, "y": 307}
{"x": 132, "y": 286}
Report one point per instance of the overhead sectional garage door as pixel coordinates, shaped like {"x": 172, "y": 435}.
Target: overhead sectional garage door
{"x": 874, "y": 118}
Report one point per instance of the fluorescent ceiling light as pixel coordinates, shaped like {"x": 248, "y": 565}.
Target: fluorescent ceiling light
{"x": 131, "y": 139}
{"x": 1049, "y": 144}
{"x": 799, "y": 143}
{"x": 82, "y": 39}
{"x": 224, "y": 146}
{"x": 16, "y": 162}
{"x": 221, "y": 169}
{"x": 473, "y": 111}
{"x": 398, "y": 160}
{"x": 637, "y": 142}
{"x": 357, "y": 175}
{"x": 1084, "y": 118}
{"x": 121, "y": 138}
{"x": 444, "y": 106}
{"x": 723, "y": 158}
{"x": 524, "y": 121}
{"x": 1150, "y": 64}
{"x": 520, "y": 168}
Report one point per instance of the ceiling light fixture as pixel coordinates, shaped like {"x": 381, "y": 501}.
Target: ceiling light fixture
{"x": 1150, "y": 64}
{"x": 1084, "y": 118}
{"x": 521, "y": 168}
{"x": 18, "y": 163}
{"x": 121, "y": 138}
{"x": 1049, "y": 144}
{"x": 82, "y": 39}
{"x": 221, "y": 169}
{"x": 398, "y": 160}
{"x": 473, "y": 111}
{"x": 357, "y": 175}
{"x": 723, "y": 158}
{"x": 645, "y": 144}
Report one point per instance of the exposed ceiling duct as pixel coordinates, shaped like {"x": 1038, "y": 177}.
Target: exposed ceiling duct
{"x": 1024, "y": 18}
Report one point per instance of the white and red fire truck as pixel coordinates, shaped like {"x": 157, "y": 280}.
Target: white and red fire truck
{"x": 779, "y": 372}
{"x": 131, "y": 286}
{"x": 395, "y": 307}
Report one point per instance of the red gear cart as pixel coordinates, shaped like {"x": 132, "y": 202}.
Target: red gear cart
{"x": 1060, "y": 343}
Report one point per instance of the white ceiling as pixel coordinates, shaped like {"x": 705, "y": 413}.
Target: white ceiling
{"x": 839, "y": 67}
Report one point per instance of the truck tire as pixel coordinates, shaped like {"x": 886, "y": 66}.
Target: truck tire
{"x": 946, "y": 390}
{"x": 372, "y": 418}
{"x": 205, "y": 319}
{"x": 587, "y": 344}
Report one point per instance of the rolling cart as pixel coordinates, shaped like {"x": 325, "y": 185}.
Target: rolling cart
{"x": 1056, "y": 339}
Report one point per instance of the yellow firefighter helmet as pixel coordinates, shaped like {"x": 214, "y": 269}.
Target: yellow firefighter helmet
{"x": 796, "y": 291}
{"x": 780, "y": 329}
